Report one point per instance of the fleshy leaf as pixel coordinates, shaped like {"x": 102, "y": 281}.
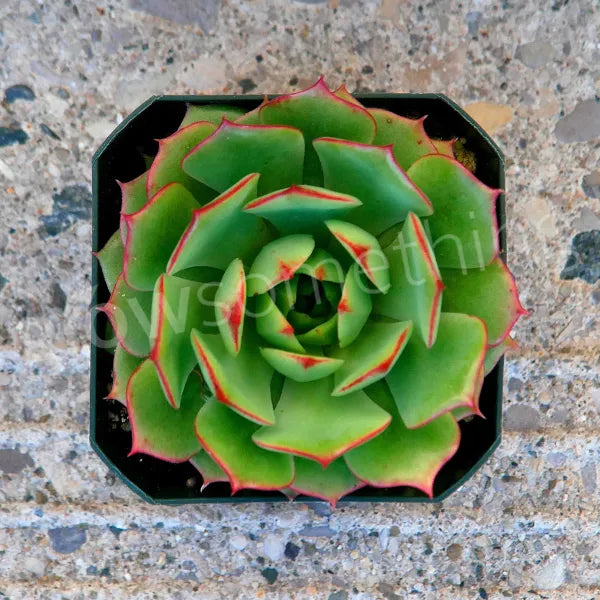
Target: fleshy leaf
{"x": 111, "y": 259}
{"x": 364, "y": 250}
{"x": 401, "y": 456}
{"x": 234, "y": 151}
{"x": 124, "y": 364}
{"x": 300, "y": 367}
{"x": 230, "y": 306}
{"x": 354, "y": 306}
{"x": 330, "y": 483}
{"x": 490, "y": 294}
{"x": 444, "y": 147}
{"x": 494, "y": 354}
{"x": 323, "y": 334}
{"x": 285, "y": 295}
{"x": 323, "y": 267}
{"x": 428, "y": 382}
{"x": 157, "y": 428}
{"x": 133, "y": 198}
{"x": 416, "y": 285}
{"x": 343, "y": 93}
{"x": 278, "y": 261}
{"x": 242, "y": 382}
{"x": 463, "y": 226}
{"x": 272, "y": 325}
{"x": 462, "y": 412}
{"x": 211, "y": 472}
{"x": 129, "y": 313}
{"x": 227, "y": 437}
{"x": 153, "y": 232}
{"x": 408, "y": 136}
{"x": 178, "y": 306}
{"x": 166, "y": 167}
{"x": 252, "y": 117}
{"x": 313, "y": 424}
{"x": 222, "y": 219}
{"x": 317, "y": 112}
{"x": 302, "y": 209}
{"x": 372, "y": 174}
{"x": 371, "y": 356}
{"x": 213, "y": 113}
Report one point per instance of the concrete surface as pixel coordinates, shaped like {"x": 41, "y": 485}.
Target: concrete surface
{"x": 526, "y": 526}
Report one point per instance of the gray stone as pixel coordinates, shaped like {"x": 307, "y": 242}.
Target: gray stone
{"x": 186, "y": 12}
{"x": 3, "y": 281}
{"x": 273, "y": 547}
{"x": 584, "y": 260}
{"x": 291, "y": 550}
{"x": 535, "y": 54}
{"x": 18, "y": 92}
{"x": 13, "y": 461}
{"x": 552, "y": 575}
{"x": 473, "y": 20}
{"x": 387, "y": 591}
{"x": 74, "y": 202}
{"x": 11, "y": 135}
{"x": 317, "y": 531}
{"x": 556, "y": 459}
{"x": 586, "y": 220}
{"x": 65, "y": 540}
{"x": 580, "y": 125}
{"x": 591, "y": 184}
{"x": 58, "y": 298}
{"x": 588, "y": 475}
{"x": 270, "y": 574}
{"x": 239, "y": 542}
{"x": 520, "y": 417}
{"x": 339, "y": 595}
{"x": 514, "y": 384}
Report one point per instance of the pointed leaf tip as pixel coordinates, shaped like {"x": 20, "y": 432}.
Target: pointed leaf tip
{"x": 230, "y": 306}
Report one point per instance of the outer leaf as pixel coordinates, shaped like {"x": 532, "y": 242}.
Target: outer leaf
{"x": 213, "y": 113}
{"x": 222, "y": 219}
{"x": 407, "y": 136}
{"x": 416, "y": 285}
{"x": 463, "y": 412}
{"x": 317, "y": 112}
{"x": 152, "y": 233}
{"x": 243, "y": 382}
{"x": 133, "y": 198}
{"x": 364, "y": 250}
{"x": 401, "y": 456}
{"x": 166, "y": 167}
{"x": 354, "y": 307}
{"x": 323, "y": 334}
{"x": 302, "y": 209}
{"x": 273, "y": 327}
{"x": 329, "y": 484}
{"x": 313, "y": 424}
{"x": 230, "y": 306}
{"x": 124, "y": 364}
{"x": 227, "y": 437}
{"x": 178, "y": 306}
{"x": 211, "y": 472}
{"x": 463, "y": 226}
{"x": 371, "y": 356}
{"x": 343, "y": 93}
{"x": 372, "y": 174}
{"x": 490, "y": 294}
{"x": 252, "y": 117}
{"x": 444, "y": 146}
{"x": 129, "y": 313}
{"x": 278, "y": 261}
{"x": 428, "y": 382}
{"x": 321, "y": 266}
{"x": 300, "y": 367}
{"x": 495, "y": 353}
{"x": 158, "y": 429}
{"x": 111, "y": 259}
{"x": 234, "y": 151}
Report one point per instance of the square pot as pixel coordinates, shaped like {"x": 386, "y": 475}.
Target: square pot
{"x": 120, "y": 158}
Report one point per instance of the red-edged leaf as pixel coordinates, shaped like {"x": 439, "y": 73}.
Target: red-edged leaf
{"x": 124, "y": 364}
{"x": 111, "y": 259}
{"x": 354, "y": 306}
{"x": 272, "y": 326}
{"x": 213, "y": 113}
{"x": 230, "y": 306}
{"x": 133, "y": 198}
{"x": 300, "y": 367}
{"x": 495, "y": 353}
{"x": 445, "y": 146}
{"x": 211, "y": 472}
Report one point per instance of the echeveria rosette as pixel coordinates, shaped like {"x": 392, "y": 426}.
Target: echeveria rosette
{"x": 306, "y": 297}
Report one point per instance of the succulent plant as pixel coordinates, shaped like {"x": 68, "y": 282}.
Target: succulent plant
{"x": 306, "y": 297}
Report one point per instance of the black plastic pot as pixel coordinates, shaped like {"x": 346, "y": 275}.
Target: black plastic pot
{"x": 120, "y": 158}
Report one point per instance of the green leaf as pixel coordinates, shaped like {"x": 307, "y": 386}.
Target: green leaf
{"x": 495, "y": 353}
{"x": 129, "y": 313}
{"x": 323, "y": 334}
{"x": 300, "y": 367}
{"x": 285, "y": 295}
{"x": 408, "y": 136}
{"x": 178, "y": 306}
{"x": 211, "y": 472}
{"x": 371, "y": 174}
{"x": 317, "y": 112}
{"x": 463, "y": 226}
{"x": 278, "y": 261}
{"x": 243, "y": 382}
{"x": 354, "y": 307}
{"x": 343, "y": 93}
{"x": 323, "y": 267}
{"x": 124, "y": 364}
{"x": 273, "y": 327}
{"x": 428, "y": 382}
{"x": 227, "y": 437}
{"x": 202, "y": 242}
{"x": 133, "y": 198}
{"x": 416, "y": 285}
{"x": 401, "y": 456}
{"x": 444, "y": 147}
{"x": 309, "y": 422}
{"x": 153, "y": 232}
{"x": 364, "y": 250}
{"x": 489, "y": 293}
{"x": 213, "y": 113}
{"x": 252, "y": 117}
{"x": 111, "y": 259}
{"x": 371, "y": 356}
{"x": 330, "y": 483}
{"x": 234, "y": 151}
{"x": 166, "y": 167}
{"x": 230, "y": 306}
{"x": 157, "y": 428}
{"x": 302, "y": 209}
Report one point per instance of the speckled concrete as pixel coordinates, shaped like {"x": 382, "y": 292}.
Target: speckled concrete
{"x": 526, "y": 526}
